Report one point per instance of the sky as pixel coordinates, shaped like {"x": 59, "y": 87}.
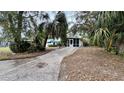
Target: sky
{"x": 69, "y": 15}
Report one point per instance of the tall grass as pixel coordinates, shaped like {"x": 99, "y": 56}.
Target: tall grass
{"x": 5, "y": 50}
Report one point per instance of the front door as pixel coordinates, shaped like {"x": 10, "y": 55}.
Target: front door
{"x": 76, "y": 42}
{"x": 71, "y": 42}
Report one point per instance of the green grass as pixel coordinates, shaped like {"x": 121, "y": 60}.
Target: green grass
{"x": 5, "y": 50}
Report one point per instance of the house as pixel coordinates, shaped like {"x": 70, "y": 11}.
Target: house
{"x": 74, "y": 40}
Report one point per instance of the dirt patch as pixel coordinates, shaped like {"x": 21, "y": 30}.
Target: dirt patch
{"x": 41, "y": 65}
{"x": 92, "y": 63}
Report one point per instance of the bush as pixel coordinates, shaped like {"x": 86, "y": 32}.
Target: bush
{"x": 32, "y": 48}
{"x": 85, "y": 42}
{"x": 35, "y": 47}
{"x": 52, "y": 45}
{"x": 23, "y": 47}
{"x": 13, "y": 47}
{"x": 40, "y": 47}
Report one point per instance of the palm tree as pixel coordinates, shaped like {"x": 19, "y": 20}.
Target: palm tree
{"x": 56, "y": 29}
{"x": 114, "y": 22}
{"x": 105, "y": 28}
{"x": 60, "y": 27}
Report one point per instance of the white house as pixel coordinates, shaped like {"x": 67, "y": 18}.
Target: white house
{"x": 74, "y": 40}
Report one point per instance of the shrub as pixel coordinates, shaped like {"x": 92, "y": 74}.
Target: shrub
{"x": 35, "y": 48}
{"x": 52, "y": 45}
{"x": 23, "y": 47}
{"x": 85, "y": 42}
{"x": 13, "y": 47}
{"x": 113, "y": 50}
{"x": 39, "y": 47}
{"x": 32, "y": 48}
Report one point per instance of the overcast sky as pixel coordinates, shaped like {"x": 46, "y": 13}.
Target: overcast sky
{"x": 69, "y": 15}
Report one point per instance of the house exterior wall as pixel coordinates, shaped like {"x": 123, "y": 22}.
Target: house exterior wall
{"x": 80, "y": 43}
{"x": 74, "y": 43}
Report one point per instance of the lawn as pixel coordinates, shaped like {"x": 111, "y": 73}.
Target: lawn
{"x": 5, "y": 50}
{"x": 7, "y": 54}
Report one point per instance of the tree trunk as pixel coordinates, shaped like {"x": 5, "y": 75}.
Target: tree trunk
{"x": 19, "y": 29}
{"x": 16, "y": 31}
{"x": 45, "y": 41}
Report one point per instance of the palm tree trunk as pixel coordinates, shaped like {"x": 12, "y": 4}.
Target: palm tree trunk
{"x": 45, "y": 40}
{"x": 19, "y": 30}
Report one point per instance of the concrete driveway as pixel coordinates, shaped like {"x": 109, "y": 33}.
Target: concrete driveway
{"x": 45, "y": 67}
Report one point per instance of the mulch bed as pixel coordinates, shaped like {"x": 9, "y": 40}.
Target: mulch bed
{"x": 92, "y": 64}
